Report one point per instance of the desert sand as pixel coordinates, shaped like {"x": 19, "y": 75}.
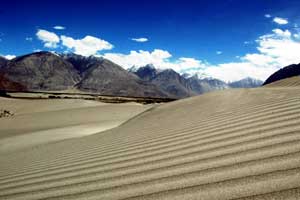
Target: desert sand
{"x": 36, "y": 122}
{"x": 231, "y": 144}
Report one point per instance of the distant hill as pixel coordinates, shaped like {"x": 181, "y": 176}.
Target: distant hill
{"x": 107, "y": 78}
{"x": 286, "y": 72}
{"x": 200, "y": 86}
{"x": 46, "y": 71}
{"x": 40, "y": 71}
{"x": 180, "y": 86}
{"x": 168, "y": 80}
{"x": 246, "y": 83}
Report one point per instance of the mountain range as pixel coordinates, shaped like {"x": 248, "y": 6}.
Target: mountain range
{"x": 47, "y": 71}
{"x": 180, "y": 86}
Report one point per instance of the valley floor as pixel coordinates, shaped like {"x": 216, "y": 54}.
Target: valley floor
{"x": 231, "y": 144}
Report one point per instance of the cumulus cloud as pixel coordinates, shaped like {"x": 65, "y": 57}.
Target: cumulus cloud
{"x": 280, "y": 21}
{"x": 28, "y": 39}
{"x": 159, "y": 58}
{"x": 59, "y": 27}
{"x": 140, "y": 39}
{"x": 274, "y": 51}
{"x": 229, "y": 72}
{"x": 219, "y": 52}
{"x": 9, "y": 57}
{"x": 139, "y": 58}
{"x": 49, "y": 39}
{"x": 280, "y": 46}
{"x": 252, "y": 65}
{"x": 280, "y": 33}
{"x": 86, "y": 46}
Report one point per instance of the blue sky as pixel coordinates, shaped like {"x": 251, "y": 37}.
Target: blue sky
{"x": 211, "y": 32}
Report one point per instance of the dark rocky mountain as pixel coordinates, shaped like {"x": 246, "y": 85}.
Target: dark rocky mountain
{"x": 286, "y": 72}
{"x": 107, "y": 78}
{"x": 45, "y": 71}
{"x": 246, "y": 83}
{"x": 8, "y": 85}
{"x": 180, "y": 86}
{"x": 200, "y": 86}
{"x": 40, "y": 71}
{"x": 172, "y": 83}
{"x": 176, "y": 85}
{"x": 3, "y": 61}
{"x": 146, "y": 73}
{"x": 81, "y": 63}
{"x": 168, "y": 80}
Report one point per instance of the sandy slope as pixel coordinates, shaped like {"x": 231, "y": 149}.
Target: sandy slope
{"x": 37, "y": 122}
{"x": 233, "y": 144}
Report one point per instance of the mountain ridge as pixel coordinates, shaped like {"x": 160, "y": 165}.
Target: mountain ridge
{"x": 181, "y": 86}
{"x": 48, "y": 71}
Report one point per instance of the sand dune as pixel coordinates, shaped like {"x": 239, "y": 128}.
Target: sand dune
{"x": 37, "y": 122}
{"x": 233, "y": 144}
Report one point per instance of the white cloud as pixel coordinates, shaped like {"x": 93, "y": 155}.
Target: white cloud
{"x": 86, "y": 46}
{"x": 140, "y": 58}
{"x": 253, "y": 65}
{"x": 9, "y": 57}
{"x": 281, "y": 47}
{"x": 59, "y": 27}
{"x": 281, "y": 33}
{"x": 268, "y": 16}
{"x": 140, "y": 39}
{"x": 280, "y": 21}
{"x": 274, "y": 51}
{"x": 159, "y": 58}
{"x": 28, "y": 39}
{"x": 49, "y": 39}
{"x": 236, "y": 71}
{"x": 219, "y": 52}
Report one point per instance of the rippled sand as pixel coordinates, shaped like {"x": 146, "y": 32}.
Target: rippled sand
{"x": 232, "y": 144}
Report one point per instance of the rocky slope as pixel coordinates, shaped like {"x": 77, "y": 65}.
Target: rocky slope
{"x": 180, "y": 86}
{"x": 108, "y": 78}
{"x": 200, "y": 86}
{"x": 3, "y": 61}
{"x": 40, "y": 71}
{"x": 46, "y": 71}
{"x": 286, "y": 72}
